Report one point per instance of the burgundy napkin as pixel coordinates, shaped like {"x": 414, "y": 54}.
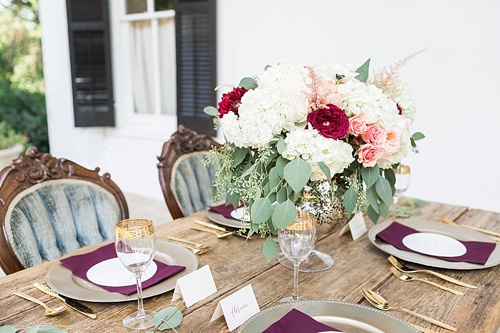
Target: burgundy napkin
{"x": 477, "y": 252}
{"x": 80, "y": 264}
{"x": 297, "y": 321}
{"x": 223, "y": 210}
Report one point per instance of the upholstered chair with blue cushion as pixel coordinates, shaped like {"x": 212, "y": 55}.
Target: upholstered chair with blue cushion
{"x": 185, "y": 181}
{"x": 50, "y": 207}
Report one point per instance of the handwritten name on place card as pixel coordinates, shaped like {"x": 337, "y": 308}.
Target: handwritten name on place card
{"x": 237, "y": 307}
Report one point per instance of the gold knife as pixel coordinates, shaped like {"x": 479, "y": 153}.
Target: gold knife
{"x": 492, "y": 234}
{"x": 75, "y": 305}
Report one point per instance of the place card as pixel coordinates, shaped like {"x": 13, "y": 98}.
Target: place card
{"x": 237, "y": 307}
{"x": 195, "y": 286}
{"x": 356, "y": 225}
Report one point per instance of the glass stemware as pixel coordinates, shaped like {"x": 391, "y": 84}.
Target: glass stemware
{"x": 403, "y": 177}
{"x": 296, "y": 242}
{"x": 135, "y": 247}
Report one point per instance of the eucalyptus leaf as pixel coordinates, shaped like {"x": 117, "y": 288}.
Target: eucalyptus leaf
{"x": 284, "y": 214}
{"x": 211, "y": 111}
{"x": 363, "y": 71}
{"x": 325, "y": 169}
{"x": 281, "y": 145}
{"x": 384, "y": 190}
{"x": 45, "y": 329}
{"x": 248, "y": 83}
{"x": 373, "y": 215}
{"x": 370, "y": 175}
{"x": 297, "y": 173}
{"x": 418, "y": 136}
{"x": 281, "y": 162}
{"x": 384, "y": 209}
{"x": 371, "y": 195}
{"x": 270, "y": 249}
{"x": 282, "y": 195}
{"x": 260, "y": 211}
{"x": 274, "y": 179}
{"x": 233, "y": 199}
{"x": 172, "y": 315}
{"x": 8, "y": 329}
{"x": 350, "y": 200}
{"x": 239, "y": 155}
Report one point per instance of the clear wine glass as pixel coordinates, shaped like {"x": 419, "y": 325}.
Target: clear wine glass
{"x": 135, "y": 247}
{"x": 296, "y": 242}
{"x": 403, "y": 177}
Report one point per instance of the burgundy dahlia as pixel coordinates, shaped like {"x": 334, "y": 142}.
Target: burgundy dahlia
{"x": 231, "y": 101}
{"x": 331, "y": 122}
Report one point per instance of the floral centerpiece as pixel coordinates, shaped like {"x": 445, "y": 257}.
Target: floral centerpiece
{"x": 298, "y": 126}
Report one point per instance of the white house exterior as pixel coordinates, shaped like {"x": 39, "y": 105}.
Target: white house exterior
{"x": 455, "y": 82}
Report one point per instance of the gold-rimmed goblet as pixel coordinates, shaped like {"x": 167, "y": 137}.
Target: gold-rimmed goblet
{"x": 135, "y": 247}
{"x": 296, "y": 242}
{"x": 403, "y": 177}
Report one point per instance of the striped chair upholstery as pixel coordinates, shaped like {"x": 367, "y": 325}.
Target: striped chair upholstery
{"x": 185, "y": 181}
{"x": 53, "y": 207}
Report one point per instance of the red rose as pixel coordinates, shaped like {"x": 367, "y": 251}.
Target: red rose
{"x": 231, "y": 101}
{"x": 331, "y": 122}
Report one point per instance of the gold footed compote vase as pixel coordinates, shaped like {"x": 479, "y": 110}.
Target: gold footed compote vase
{"x": 135, "y": 247}
{"x": 296, "y": 242}
{"x": 328, "y": 220}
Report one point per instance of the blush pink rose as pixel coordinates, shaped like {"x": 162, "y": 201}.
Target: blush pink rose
{"x": 391, "y": 142}
{"x": 357, "y": 125}
{"x": 369, "y": 154}
{"x": 331, "y": 92}
{"x": 374, "y": 134}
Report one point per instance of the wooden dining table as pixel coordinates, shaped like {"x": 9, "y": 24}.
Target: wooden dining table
{"x": 236, "y": 262}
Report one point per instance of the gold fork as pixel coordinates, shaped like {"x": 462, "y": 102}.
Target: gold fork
{"x": 405, "y": 277}
{"x": 404, "y": 269}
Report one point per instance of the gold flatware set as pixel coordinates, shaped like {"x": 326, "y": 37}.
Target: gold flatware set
{"x": 225, "y": 232}
{"x": 194, "y": 247}
{"x": 48, "y": 310}
{"x": 407, "y": 270}
{"x": 408, "y": 278}
{"x": 493, "y": 235}
{"x": 381, "y": 303}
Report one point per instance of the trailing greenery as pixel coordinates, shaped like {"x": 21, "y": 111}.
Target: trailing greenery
{"x": 22, "y": 95}
{"x": 8, "y": 137}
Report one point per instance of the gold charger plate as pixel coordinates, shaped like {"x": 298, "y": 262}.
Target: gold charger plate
{"x": 62, "y": 280}
{"x": 352, "y": 318}
{"x": 437, "y": 228}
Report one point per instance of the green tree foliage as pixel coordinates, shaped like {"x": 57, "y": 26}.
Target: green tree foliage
{"x": 22, "y": 93}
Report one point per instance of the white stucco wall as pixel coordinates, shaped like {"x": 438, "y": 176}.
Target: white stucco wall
{"x": 455, "y": 83}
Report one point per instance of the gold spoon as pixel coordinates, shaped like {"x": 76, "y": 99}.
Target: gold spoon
{"x": 48, "y": 310}
{"x": 381, "y": 303}
{"x": 405, "y": 277}
{"x": 404, "y": 269}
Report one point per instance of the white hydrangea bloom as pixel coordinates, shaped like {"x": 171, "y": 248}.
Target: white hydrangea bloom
{"x": 313, "y": 148}
{"x": 279, "y": 101}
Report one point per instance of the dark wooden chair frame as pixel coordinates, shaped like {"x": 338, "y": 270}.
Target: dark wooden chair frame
{"x": 35, "y": 168}
{"x": 183, "y": 141}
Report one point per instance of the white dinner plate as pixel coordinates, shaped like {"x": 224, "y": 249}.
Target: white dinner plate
{"x": 352, "y": 318}
{"x": 62, "y": 280}
{"x": 438, "y": 228}
{"x": 222, "y": 220}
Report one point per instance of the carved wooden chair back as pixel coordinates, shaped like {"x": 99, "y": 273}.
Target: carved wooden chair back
{"x": 186, "y": 182}
{"x": 52, "y": 206}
